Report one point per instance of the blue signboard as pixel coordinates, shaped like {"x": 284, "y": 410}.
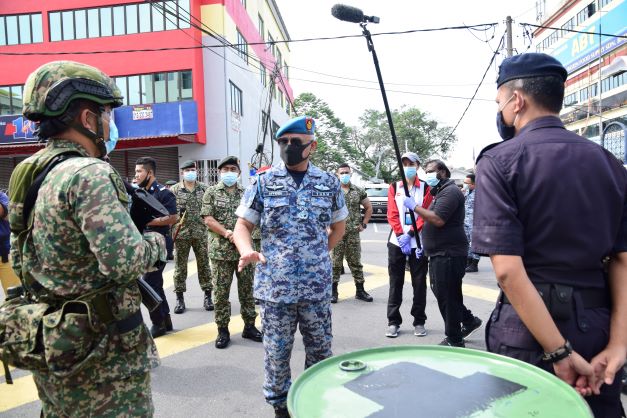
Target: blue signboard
{"x": 151, "y": 120}
{"x": 157, "y": 119}
{"x": 583, "y": 48}
{"x": 15, "y": 129}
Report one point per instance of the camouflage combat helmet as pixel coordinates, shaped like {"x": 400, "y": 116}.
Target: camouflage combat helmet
{"x": 50, "y": 89}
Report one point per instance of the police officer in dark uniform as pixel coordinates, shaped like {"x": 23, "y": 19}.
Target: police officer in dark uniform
{"x": 145, "y": 172}
{"x": 551, "y": 212}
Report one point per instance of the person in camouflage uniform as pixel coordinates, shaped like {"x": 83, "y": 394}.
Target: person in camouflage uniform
{"x": 83, "y": 239}
{"x": 469, "y": 188}
{"x": 218, "y": 210}
{"x": 294, "y": 204}
{"x": 350, "y": 245}
{"x": 192, "y": 234}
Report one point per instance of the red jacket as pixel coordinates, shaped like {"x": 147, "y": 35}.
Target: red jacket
{"x": 393, "y": 214}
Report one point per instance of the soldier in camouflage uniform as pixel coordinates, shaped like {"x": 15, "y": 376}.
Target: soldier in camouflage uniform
{"x": 469, "y": 187}
{"x": 192, "y": 234}
{"x": 350, "y": 245}
{"x": 83, "y": 239}
{"x": 218, "y": 209}
{"x": 294, "y": 204}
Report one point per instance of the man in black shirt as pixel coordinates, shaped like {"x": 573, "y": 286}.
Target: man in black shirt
{"x": 145, "y": 171}
{"x": 444, "y": 242}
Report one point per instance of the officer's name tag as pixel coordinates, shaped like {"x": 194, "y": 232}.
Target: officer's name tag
{"x": 275, "y": 193}
{"x": 221, "y": 203}
{"x": 316, "y": 193}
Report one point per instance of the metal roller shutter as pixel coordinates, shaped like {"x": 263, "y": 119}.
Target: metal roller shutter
{"x": 167, "y": 162}
{"x": 7, "y": 164}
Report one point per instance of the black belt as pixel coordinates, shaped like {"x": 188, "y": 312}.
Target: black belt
{"x": 591, "y": 298}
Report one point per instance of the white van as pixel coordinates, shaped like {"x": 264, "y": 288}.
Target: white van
{"x": 378, "y": 196}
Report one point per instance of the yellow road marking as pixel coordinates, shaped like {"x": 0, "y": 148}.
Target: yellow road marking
{"x": 24, "y": 391}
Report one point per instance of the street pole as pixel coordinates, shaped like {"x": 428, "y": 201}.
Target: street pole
{"x": 508, "y": 29}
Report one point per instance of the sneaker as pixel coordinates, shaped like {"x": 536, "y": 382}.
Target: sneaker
{"x": 392, "y": 331}
{"x": 448, "y": 343}
{"x": 420, "y": 331}
{"x": 467, "y": 330}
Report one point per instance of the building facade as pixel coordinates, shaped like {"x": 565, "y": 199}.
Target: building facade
{"x": 595, "y": 57}
{"x": 193, "y": 86}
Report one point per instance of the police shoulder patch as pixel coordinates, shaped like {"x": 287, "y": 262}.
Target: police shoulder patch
{"x": 119, "y": 187}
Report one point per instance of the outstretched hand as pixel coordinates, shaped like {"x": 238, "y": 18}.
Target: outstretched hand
{"x": 250, "y": 257}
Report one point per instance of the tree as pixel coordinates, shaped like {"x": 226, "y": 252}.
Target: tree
{"x": 331, "y": 133}
{"x": 415, "y": 132}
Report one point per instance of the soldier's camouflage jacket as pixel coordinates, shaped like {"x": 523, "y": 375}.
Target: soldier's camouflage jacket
{"x": 191, "y": 202}
{"x": 83, "y": 239}
{"x": 294, "y": 222}
{"x": 353, "y": 199}
{"x": 221, "y": 205}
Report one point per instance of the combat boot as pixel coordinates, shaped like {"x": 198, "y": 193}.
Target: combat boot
{"x": 281, "y": 412}
{"x": 334, "y": 294}
{"x": 157, "y": 330}
{"x": 252, "y": 333}
{"x": 361, "y": 294}
{"x": 473, "y": 266}
{"x": 180, "y": 303}
{"x": 224, "y": 337}
{"x": 168, "y": 323}
{"x": 208, "y": 302}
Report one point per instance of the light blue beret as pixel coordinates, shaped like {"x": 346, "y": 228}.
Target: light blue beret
{"x": 300, "y": 125}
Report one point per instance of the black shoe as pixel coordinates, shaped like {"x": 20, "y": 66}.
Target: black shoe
{"x": 252, "y": 333}
{"x": 467, "y": 330}
{"x": 257, "y": 302}
{"x": 473, "y": 266}
{"x": 224, "y": 338}
{"x": 449, "y": 343}
{"x": 168, "y": 323}
{"x": 180, "y": 303}
{"x": 208, "y": 304}
{"x": 281, "y": 412}
{"x": 334, "y": 294}
{"x": 170, "y": 257}
{"x": 157, "y": 330}
{"x": 361, "y": 294}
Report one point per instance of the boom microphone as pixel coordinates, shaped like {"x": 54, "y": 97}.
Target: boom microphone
{"x": 351, "y": 14}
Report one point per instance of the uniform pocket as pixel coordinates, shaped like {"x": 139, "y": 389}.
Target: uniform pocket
{"x": 20, "y": 334}
{"x": 321, "y": 209}
{"x": 73, "y": 339}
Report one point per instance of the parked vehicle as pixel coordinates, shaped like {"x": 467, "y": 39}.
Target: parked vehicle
{"x": 378, "y": 196}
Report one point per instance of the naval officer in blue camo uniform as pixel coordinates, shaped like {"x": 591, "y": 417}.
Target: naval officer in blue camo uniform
{"x": 559, "y": 253}
{"x": 294, "y": 204}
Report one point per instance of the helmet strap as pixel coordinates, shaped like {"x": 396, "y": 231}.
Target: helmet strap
{"x": 96, "y": 137}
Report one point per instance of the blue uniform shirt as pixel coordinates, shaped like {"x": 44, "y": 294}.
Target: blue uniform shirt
{"x": 293, "y": 222}
{"x": 5, "y": 233}
{"x": 554, "y": 198}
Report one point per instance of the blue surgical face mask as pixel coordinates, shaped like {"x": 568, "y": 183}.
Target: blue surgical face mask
{"x": 345, "y": 178}
{"x": 229, "y": 178}
{"x": 432, "y": 179}
{"x": 505, "y": 132}
{"x": 189, "y": 176}
{"x": 410, "y": 172}
{"x": 113, "y": 136}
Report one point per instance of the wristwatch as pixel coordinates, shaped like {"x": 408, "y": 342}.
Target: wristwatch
{"x": 364, "y": 226}
{"x": 559, "y": 354}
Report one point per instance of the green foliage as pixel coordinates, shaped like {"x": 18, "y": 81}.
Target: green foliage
{"x": 371, "y": 144}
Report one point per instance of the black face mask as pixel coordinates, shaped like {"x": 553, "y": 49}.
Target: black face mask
{"x": 292, "y": 154}
{"x": 506, "y": 132}
{"x": 144, "y": 183}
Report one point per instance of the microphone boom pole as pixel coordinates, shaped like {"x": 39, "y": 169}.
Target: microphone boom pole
{"x": 366, "y": 33}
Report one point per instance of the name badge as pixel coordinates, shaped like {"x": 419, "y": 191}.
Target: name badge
{"x": 316, "y": 193}
{"x": 275, "y": 193}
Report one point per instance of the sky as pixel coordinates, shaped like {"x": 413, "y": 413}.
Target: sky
{"x": 447, "y": 63}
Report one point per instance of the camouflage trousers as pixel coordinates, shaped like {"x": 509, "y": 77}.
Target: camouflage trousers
{"x": 257, "y": 245}
{"x": 468, "y": 231}
{"x": 130, "y": 397}
{"x": 279, "y": 323}
{"x": 222, "y": 278}
{"x": 181, "y": 256}
{"x": 349, "y": 247}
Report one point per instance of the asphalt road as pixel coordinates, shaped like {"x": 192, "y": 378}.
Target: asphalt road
{"x": 198, "y": 380}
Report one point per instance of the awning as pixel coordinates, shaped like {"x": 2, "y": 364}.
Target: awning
{"x": 618, "y": 65}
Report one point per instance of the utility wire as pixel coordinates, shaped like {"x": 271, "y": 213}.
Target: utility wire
{"x": 574, "y": 30}
{"x": 478, "y": 87}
